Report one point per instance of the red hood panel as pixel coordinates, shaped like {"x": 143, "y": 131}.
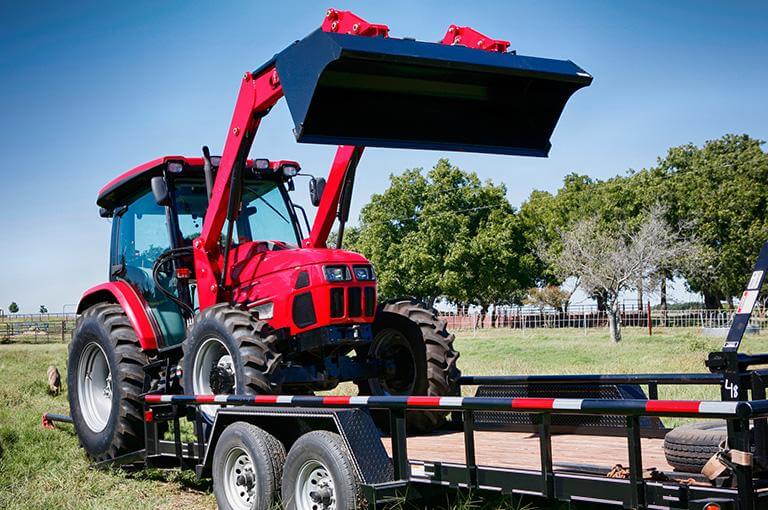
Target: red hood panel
{"x": 255, "y": 260}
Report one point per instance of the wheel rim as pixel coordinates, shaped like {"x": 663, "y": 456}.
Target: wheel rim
{"x": 94, "y": 387}
{"x": 240, "y": 482}
{"x": 393, "y": 348}
{"x": 212, "y": 356}
{"x": 315, "y": 489}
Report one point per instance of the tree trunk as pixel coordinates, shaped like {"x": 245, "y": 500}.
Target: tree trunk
{"x": 614, "y": 321}
{"x": 430, "y": 302}
{"x": 640, "y": 295}
{"x": 711, "y": 301}
{"x": 600, "y": 298}
{"x": 663, "y": 297}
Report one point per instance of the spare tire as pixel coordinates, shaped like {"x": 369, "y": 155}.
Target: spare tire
{"x": 688, "y": 447}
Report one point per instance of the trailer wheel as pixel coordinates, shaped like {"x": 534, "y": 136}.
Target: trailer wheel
{"x": 228, "y": 351}
{"x": 246, "y": 469}
{"x": 105, "y": 377}
{"x": 688, "y": 447}
{"x": 419, "y": 358}
{"x": 319, "y": 474}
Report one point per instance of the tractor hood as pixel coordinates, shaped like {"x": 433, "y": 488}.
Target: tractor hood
{"x": 384, "y": 92}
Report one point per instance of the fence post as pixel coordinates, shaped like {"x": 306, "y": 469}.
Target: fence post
{"x": 63, "y": 329}
{"x": 650, "y": 322}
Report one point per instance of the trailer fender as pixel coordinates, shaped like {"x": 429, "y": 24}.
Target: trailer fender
{"x": 133, "y": 304}
{"x": 355, "y": 427}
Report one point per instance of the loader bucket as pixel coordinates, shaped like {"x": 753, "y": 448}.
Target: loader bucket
{"x": 382, "y": 92}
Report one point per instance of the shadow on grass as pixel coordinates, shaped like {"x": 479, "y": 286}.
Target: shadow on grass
{"x": 185, "y": 478}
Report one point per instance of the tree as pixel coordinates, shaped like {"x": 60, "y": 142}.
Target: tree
{"x": 43, "y": 309}
{"x": 13, "y": 307}
{"x": 448, "y": 234}
{"x": 717, "y": 193}
{"x": 549, "y": 295}
{"x": 611, "y": 260}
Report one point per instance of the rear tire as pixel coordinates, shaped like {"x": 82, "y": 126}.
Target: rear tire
{"x": 688, "y": 447}
{"x": 415, "y": 341}
{"x": 228, "y": 351}
{"x": 105, "y": 377}
{"x": 247, "y": 467}
{"x": 320, "y": 474}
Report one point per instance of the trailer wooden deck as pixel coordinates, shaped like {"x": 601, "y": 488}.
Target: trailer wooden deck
{"x": 521, "y": 450}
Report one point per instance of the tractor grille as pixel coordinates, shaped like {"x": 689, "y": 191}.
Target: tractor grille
{"x": 370, "y": 301}
{"x": 303, "y": 310}
{"x": 337, "y": 302}
{"x": 354, "y": 298}
{"x": 359, "y": 301}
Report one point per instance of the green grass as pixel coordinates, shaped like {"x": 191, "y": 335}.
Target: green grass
{"x": 47, "y": 469}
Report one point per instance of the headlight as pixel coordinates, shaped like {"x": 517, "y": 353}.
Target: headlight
{"x": 337, "y": 273}
{"x": 364, "y": 273}
{"x": 265, "y": 310}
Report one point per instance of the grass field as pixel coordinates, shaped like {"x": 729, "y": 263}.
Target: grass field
{"x": 46, "y": 469}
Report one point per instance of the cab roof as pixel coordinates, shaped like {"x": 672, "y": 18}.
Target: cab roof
{"x": 138, "y": 178}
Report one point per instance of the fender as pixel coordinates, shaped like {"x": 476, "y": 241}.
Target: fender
{"x": 133, "y": 304}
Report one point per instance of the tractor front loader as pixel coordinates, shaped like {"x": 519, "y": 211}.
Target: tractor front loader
{"x": 219, "y": 285}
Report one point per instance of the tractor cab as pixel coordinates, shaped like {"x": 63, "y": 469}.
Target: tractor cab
{"x": 151, "y": 219}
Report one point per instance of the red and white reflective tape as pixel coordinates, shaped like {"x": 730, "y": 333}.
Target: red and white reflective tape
{"x": 523, "y": 404}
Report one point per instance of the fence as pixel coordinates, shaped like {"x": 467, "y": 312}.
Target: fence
{"x": 586, "y": 317}
{"x": 36, "y": 328}
{"x": 57, "y": 327}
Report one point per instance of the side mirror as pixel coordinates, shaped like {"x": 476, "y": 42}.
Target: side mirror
{"x": 160, "y": 191}
{"x": 316, "y": 188}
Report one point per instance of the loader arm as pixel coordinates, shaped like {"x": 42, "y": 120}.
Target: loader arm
{"x": 349, "y": 84}
{"x": 258, "y": 93}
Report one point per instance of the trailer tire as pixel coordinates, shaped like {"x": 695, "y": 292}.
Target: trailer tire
{"x": 246, "y": 468}
{"x": 105, "y": 378}
{"x": 688, "y": 447}
{"x": 430, "y": 344}
{"x": 239, "y": 348}
{"x": 320, "y": 459}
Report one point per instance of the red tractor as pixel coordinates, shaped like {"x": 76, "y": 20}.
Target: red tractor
{"x": 217, "y": 282}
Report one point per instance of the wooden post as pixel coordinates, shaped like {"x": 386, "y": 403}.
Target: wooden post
{"x": 650, "y": 322}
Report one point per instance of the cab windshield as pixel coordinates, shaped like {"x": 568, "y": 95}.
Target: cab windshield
{"x": 265, "y": 214}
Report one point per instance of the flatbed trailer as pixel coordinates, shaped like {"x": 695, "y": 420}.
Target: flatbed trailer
{"x": 602, "y": 449}
{"x": 567, "y": 467}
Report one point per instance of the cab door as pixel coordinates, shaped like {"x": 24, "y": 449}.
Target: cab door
{"x": 141, "y": 234}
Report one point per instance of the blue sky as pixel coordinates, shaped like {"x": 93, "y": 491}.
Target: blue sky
{"x": 90, "y": 89}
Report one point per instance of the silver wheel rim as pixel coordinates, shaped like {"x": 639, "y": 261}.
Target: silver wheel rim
{"x": 315, "y": 489}
{"x": 240, "y": 482}
{"x": 390, "y": 342}
{"x": 212, "y": 353}
{"x": 94, "y": 387}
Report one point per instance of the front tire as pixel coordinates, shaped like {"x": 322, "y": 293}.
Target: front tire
{"x": 417, "y": 351}
{"x": 228, "y": 351}
{"x": 105, "y": 377}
